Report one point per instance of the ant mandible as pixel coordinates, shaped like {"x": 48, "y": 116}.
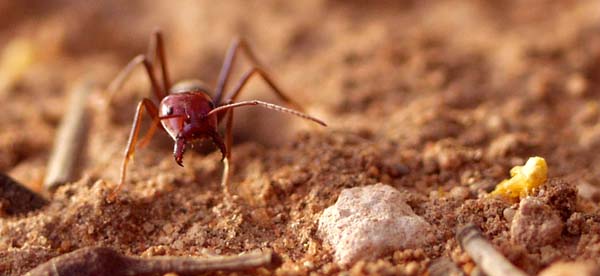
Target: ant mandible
{"x": 187, "y": 112}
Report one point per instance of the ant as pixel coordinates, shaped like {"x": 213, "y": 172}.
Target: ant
{"x": 187, "y": 112}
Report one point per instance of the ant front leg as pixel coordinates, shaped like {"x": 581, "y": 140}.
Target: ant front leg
{"x": 133, "y": 137}
{"x": 156, "y": 47}
{"x": 227, "y": 158}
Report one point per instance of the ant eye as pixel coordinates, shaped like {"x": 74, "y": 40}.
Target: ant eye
{"x": 169, "y": 110}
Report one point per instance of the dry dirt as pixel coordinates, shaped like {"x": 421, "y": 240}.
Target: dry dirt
{"x": 436, "y": 98}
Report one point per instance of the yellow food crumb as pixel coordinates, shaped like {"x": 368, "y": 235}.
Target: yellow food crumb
{"x": 16, "y": 58}
{"x": 524, "y": 179}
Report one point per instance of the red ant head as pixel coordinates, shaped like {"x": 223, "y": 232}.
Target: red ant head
{"x": 186, "y": 120}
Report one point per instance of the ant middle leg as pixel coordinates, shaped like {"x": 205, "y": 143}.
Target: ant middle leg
{"x": 133, "y": 137}
{"x": 236, "y": 45}
{"x": 240, "y": 44}
{"x": 257, "y": 71}
{"x": 156, "y": 47}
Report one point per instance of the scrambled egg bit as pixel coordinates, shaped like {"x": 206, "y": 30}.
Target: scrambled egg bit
{"x": 524, "y": 179}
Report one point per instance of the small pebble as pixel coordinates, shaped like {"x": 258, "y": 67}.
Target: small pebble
{"x": 589, "y": 137}
{"x": 535, "y": 224}
{"x": 577, "y": 85}
{"x": 148, "y": 227}
{"x": 168, "y": 228}
{"x": 509, "y": 214}
{"x": 412, "y": 268}
{"x": 178, "y": 244}
{"x": 308, "y": 264}
{"x": 575, "y": 223}
{"x": 495, "y": 123}
{"x": 548, "y": 254}
{"x": 588, "y": 191}
{"x": 460, "y": 192}
{"x": 505, "y": 144}
{"x": 370, "y": 221}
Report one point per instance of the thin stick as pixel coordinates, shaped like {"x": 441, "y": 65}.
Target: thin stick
{"x": 69, "y": 139}
{"x": 195, "y": 265}
{"x": 484, "y": 254}
{"x": 107, "y": 261}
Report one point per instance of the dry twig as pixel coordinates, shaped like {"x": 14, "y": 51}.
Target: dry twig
{"x": 483, "y": 252}
{"x": 106, "y": 261}
{"x": 69, "y": 139}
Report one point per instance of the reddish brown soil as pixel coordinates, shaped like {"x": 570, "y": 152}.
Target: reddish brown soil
{"x": 438, "y": 99}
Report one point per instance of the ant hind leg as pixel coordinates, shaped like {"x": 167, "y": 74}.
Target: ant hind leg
{"x": 156, "y": 47}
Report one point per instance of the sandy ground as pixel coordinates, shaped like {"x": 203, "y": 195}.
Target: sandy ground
{"x": 438, "y": 99}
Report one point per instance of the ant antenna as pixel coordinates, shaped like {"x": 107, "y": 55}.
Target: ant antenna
{"x": 268, "y": 106}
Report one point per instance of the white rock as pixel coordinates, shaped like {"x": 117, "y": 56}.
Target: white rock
{"x": 370, "y": 221}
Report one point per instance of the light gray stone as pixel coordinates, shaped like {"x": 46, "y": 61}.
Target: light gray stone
{"x": 370, "y": 221}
